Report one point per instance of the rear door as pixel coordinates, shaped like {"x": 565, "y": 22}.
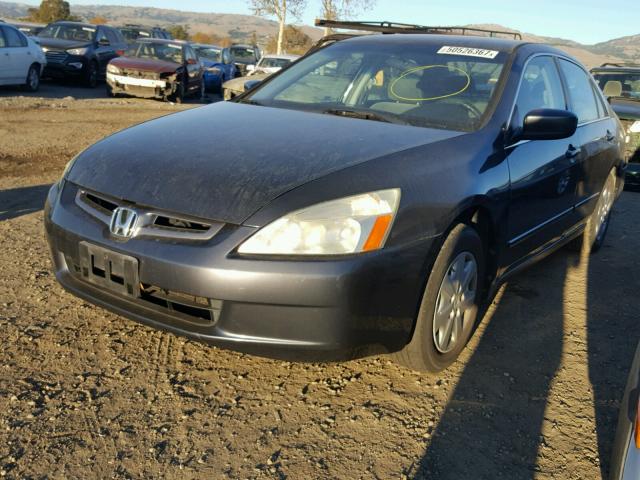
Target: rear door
{"x": 598, "y": 135}
{"x": 543, "y": 173}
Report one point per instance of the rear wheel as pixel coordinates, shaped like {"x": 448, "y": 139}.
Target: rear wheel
{"x": 450, "y": 303}
{"x": 597, "y": 226}
{"x": 33, "y": 78}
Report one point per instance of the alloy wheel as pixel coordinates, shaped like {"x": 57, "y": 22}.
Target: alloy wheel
{"x": 34, "y": 79}
{"x": 455, "y": 302}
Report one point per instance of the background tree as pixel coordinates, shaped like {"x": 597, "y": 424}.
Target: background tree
{"x": 295, "y": 41}
{"x": 99, "y": 20}
{"x": 51, "y": 11}
{"x": 343, "y": 9}
{"x": 179, "y": 32}
{"x": 279, "y": 9}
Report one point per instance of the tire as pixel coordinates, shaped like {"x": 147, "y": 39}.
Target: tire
{"x": 595, "y": 231}
{"x": 178, "y": 97}
{"x": 431, "y": 348}
{"x": 32, "y": 83}
{"x": 91, "y": 76}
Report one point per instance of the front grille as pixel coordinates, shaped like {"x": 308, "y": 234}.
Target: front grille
{"x": 201, "y": 310}
{"x": 151, "y": 223}
{"x": 55, "y": 56}
{"x": 139, "y": 74}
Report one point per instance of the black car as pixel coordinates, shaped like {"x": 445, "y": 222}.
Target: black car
{"x": 245, "y": 56}
{"x": 80, "y": 50}
{"x": 389, "y": 184}
{"x": 133, "y": 32}
{"x": 621, "y": 84}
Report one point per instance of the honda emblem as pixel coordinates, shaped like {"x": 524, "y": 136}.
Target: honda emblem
{"x": 123, "y": 222}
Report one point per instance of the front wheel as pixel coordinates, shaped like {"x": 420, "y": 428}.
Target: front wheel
{"x": 450, "y": 303}
{"x": 91, "y": 76}
{"x": 178, "y": 96}
{"x": 33, "y": 79}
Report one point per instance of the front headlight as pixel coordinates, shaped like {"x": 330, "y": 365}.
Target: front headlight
{"x": 77, "y": 51}
{"x": 635, "y": 127}
{"x": 113, "y": 69}
{"x": 348, "y": 225}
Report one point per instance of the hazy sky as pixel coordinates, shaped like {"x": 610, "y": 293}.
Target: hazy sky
{"x": 586, "y": 21}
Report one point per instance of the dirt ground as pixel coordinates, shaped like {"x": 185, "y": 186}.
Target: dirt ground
{"x": 87, "y": 394}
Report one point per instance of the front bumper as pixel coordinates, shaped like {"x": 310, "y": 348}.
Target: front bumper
{"x": 71, "y": 66}
{"x": 298, "y": 310}
{"x": 141, "y": 87}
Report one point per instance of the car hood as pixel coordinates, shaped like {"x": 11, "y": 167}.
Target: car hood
{"x": 227, "y": 160}
{"x": 61, "y": 44}
{"x": 145, "y": 64}
{"x": 626, "y": 109}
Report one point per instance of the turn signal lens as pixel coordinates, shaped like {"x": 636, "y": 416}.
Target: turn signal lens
{"x": 637, "y": 429}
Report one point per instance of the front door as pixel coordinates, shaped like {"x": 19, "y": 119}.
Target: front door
{"x": 543, "y": 173}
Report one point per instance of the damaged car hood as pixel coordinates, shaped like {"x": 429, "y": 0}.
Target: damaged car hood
{"x": 145, "y": 64}
{"x": 194, "y": 163}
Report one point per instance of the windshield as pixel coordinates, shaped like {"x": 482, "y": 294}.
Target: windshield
{"x": 78, "y": 33}
{"x": 268, "y": 62}
{"x": 134, "y": 33}
{"x": 243, "y": 54}
{"x": 210, "y": 53}
{"x": 422, "y": 85}
{"x": 619, "y": 84}
{"x": 156, "y": 51}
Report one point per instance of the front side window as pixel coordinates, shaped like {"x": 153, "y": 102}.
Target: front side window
{"x": 540, "y": 87}
{"x": 78, "y": 33}
{"x": 583, "y": 100}
{"x": 420, "y": 84}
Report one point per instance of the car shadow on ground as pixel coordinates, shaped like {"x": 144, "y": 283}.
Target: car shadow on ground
{"x": 16, "y": 202}
{"x": 492, "y": 426}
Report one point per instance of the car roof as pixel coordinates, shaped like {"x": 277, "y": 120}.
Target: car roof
{"x": 282, "y": 56}
{"x": 485, "y": 43}
{"x": 206, "y": 45}
{"x": 163, "y": 40}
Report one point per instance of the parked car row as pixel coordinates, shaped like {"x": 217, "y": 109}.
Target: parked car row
{"x": 266, "y": 66}
{"x": 155, "y": 65}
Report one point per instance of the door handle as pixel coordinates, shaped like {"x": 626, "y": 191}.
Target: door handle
{"x": 610, "y": 136}
{"x": 572, "y": 153}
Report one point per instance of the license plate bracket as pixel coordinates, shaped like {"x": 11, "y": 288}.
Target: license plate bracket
{"x": 108, "y": 269}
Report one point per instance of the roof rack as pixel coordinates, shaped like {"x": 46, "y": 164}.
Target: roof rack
{"x": 393, "y": 27}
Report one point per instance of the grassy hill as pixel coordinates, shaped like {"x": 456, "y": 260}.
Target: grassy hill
{"x": 242, "y": 27}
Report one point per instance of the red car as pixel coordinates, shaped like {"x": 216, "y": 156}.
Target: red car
{"x": 157, "y": 68}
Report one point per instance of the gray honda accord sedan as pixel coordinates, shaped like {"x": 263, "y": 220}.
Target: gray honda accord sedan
{"x": 368, "y": 199}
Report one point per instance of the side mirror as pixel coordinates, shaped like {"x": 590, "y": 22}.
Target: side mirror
{"x": 104, "y": 42}
{"x": 249, "y": 84}
{"x": 548, "y": 124}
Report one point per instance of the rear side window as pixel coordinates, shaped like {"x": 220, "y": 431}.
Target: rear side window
{"x": 583, "y": 99}
{"x": 14, "y": 38}
{"x": 540, "y": 87}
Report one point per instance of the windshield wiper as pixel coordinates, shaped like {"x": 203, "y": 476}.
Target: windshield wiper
{"x": 248, "y": 101}
{"x": 368, "y": 115}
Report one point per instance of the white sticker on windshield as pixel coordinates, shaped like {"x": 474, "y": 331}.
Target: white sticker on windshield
{"x": 88, "y": 29}
{"x": 171, "y": 45}
{"x": 468, "y": 52}
{"x": 144, "y": 34}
